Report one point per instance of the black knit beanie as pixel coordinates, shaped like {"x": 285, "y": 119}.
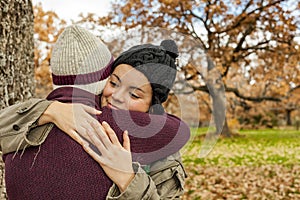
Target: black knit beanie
{"x": 157, "y": 63}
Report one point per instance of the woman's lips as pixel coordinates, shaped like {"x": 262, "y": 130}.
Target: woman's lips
{"x": 112, "y": 107}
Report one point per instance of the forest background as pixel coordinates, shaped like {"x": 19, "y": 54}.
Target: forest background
{"x": 255, "y": 48}
{"x": 254, "y": 51}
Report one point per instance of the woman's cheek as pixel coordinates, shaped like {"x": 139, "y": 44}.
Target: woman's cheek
{"x": 108, "y": 91}
{"x": 138, "y": 106}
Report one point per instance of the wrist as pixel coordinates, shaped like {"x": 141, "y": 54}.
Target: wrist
{"x": 126, "y": 181}
{"x": 47, "y": 116}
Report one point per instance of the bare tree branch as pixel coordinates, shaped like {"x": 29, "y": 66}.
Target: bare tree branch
{"x": 204, "y": 88}
{"x": 255, "y": 99}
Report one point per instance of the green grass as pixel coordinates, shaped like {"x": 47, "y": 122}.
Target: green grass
{"x": 253, "y": 148}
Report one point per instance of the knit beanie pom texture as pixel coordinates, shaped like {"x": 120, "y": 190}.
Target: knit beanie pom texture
{"x": 79, "y": 58}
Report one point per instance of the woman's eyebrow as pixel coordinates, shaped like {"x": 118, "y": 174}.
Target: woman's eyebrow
{"x": 136, "y": 88}
{"x": 117, "y": 77}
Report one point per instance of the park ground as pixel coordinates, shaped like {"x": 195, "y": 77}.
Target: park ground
{"x": 257, "y": 164}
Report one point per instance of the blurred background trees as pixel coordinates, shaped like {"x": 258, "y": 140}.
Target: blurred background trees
{"x": 254, "y": 44}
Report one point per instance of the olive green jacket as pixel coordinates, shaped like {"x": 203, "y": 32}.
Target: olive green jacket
{"x": 162, "y": 179}
{"x": 18, "y": 125}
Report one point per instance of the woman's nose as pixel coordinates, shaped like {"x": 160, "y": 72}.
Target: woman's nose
{"x": 118, "y": 96}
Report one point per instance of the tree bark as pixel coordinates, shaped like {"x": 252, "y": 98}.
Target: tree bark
{"x": 217, "y": 92}
{"x": 288, "y": 117}
{"x": 16, "y": 57}
{"x": 226, "y": 132}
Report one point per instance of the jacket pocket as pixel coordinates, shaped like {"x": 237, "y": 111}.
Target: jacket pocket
{"x": 180, "y": 175}
{"x": 175, "y": 173}
{"x": 170, "y": 182}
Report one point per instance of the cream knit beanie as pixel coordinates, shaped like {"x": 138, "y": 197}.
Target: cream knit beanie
{"x": 80, "y": 59}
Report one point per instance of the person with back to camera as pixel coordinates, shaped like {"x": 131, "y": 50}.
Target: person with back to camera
{"x": 64, "y": 150}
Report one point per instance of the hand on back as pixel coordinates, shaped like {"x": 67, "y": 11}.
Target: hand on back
{"x": 73, "y": 119}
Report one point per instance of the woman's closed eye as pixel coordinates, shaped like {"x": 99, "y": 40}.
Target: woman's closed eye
{"x": 133, "y": 95}
{"x": 113, "y": 83}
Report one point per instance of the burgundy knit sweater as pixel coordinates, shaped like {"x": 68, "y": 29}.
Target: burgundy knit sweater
{"x": 61, "y": 169}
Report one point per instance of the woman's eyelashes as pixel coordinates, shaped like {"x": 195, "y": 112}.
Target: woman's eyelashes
{"x": 134, "y": 96}
{"x": 113, "y": 83}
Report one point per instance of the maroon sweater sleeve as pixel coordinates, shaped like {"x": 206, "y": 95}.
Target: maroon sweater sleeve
{"x": 152, "y": 137}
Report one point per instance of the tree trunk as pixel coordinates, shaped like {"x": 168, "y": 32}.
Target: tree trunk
{"x": 226, "y": 132}
{"x": 16, "y": 57}
{"x": 288, "y": 117}
{"x": 217, "y": 93}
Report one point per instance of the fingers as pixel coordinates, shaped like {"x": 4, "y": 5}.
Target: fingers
{"x": 126, "y": 141}
{"x": 98, "y": 148}
{"x": 83, "y": 120}
{"x": 91, "y": 110}
{"x": 111, "y": 134}
{"x": 75, "y": 136}
{"x": 100, "y": 135}
{"x": 84, "y": 127}
{"x": 93, "y": 154}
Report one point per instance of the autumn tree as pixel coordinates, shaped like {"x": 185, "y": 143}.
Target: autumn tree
{"x": 47, "y": 27}
{"x": 253, "y": 43}
{"x": 16, "y": 56}
{"x": 16, "y": 52}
